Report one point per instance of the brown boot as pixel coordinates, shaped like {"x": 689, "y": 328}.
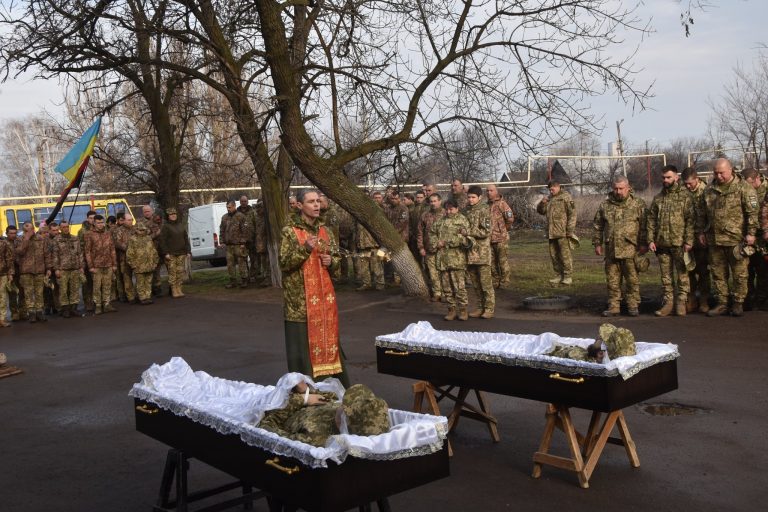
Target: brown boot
{"x": 612, "y": 311}
{"x": 487, "y": 314}
{"x": 681, "y": 308}
{"x": 176, "y": 292}
{"x": 463, "y": 314}
{"x": 737, "y": 309}
{"x": 693, "y": 304}
{"x": 451, "y": 314}
{"x": 704, "y": 304}
{"x": 665, "y": 309}
{"x": 720, "y": 309}
{"x": 476, "y": 313}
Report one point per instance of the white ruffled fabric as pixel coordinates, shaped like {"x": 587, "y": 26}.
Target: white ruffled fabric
{"x": 232, "y": 407}
{"x": 522, "y": 350}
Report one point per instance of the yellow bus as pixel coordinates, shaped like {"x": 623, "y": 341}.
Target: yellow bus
{"x": 75, "y": 213}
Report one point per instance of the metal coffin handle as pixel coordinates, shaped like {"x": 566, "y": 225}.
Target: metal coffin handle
{"x": 396, "y": 353}
{"x": 146, "y": 409}
{"x": 557, "y": 376}
{"x": 275, "y": 463}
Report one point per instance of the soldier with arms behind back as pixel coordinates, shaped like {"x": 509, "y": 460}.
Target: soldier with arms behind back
{"x": 561, "y": 230}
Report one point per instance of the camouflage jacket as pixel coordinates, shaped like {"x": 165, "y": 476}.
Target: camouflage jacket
{"x": 308, "y": 424}
{"x": 7, "y": 258}
{"x": 292, "y": 258}
{"x": 461, "y": 199}
{"x": 141, "y": 254}
{"x": 364, "y": 239}
{"x": 502, "y": 219}
{"x": 727, "y": 212}
{"x": 415, "y": 212}
{"x": 330, "y": 219}
{"x": 34, "y": 255}
{"x": 100, "y": 249}
{"x": 67, "y": 253}
{"x": 120, "y": 236}
{"x": 696, "y": 196}
{"x": 762, "y": 193}
{"x": 234, "y": 229}
{"x": 153, "y": 227}
{"x": 671, "y": 218}
{"x": 479, "y": 218}
{"x": 451, "y": 229}
{"x": 561, "y": 215}
{"x": 173, "y": 239}
{"x": 399, "y": 217}
{"x": 619, "y": 226}
{"x": 250, "y": 218}
{"x": 764, "y": 213}
{"x": 260, "y": 231}
{"x": 428, "y": 218}
{"x": 346, "y": 230}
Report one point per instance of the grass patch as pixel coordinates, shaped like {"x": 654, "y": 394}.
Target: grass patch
{"x": 207, "y": 282}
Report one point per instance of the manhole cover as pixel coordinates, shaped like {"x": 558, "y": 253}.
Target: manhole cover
{"x": 672, "y": 409}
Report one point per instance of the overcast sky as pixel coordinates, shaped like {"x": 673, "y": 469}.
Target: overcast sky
{"x": 685, "y": 72}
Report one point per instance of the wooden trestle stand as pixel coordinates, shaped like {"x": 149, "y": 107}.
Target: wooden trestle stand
{"x": 434, "y": 393}
{"x": 585, "y": 450}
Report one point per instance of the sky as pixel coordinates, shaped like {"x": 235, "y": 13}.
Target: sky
{"x": 685, "y": 72}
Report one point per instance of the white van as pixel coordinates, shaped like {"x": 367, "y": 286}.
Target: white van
{"x": 203, "y": 227}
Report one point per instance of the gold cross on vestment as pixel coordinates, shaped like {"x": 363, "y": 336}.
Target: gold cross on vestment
{"x": 317, "y": 351}
{"x": 314, "y": 300}
{"x": 330, "y": 298}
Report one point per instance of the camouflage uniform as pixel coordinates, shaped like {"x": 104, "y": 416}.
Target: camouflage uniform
{"x": 235, "y": 234}
{"x": 619, "y": 227}
{"x": 120, "y": 236}
{"x": 671, "y": 221}
{"x": 757, "y": 282}
{"x": 34, "y": 258}
{"x": 479, "y": 259}
{"x": 7, "y": 270}
{"x": 460, "y": 198}
{"x": 292, "y": 258}
{"x": 346, "y": 244}
{"x": 415, "y": 211}
{"x": 619, "y": 342}
{"x": 102, "y": 260}
{"x": 452, "y": 257}
{"x": 68, "y": 261}
{"x": 428, "y": 218}
{"x": 263, "y": 272}
{"x": 502, "y": 219}
{"x": 173, "y": 245}
{"x": 88, "y": 284}
{"x": 51, "y": 289}
{"x": 699, "y": 276}
{"x": 369, "y": 265}
{"x": 574, "y": 352}
{"x": 727, "y": 213}
{"x": 561, "y": 227}
{"x": 16, "y": 295}
{"x": 250, "y": 217}
{"x": 364, "y": 413}
{"x": 154, "y": 231}
{"x": 142, "y": 257}
{"x": 763, "y": 289}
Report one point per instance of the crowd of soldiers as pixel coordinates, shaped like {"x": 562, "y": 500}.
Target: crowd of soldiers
{"x": 701, "y": 233}
{"x": 46, "y": 272}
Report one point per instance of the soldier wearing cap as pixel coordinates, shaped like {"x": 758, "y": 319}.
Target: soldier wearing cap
{"x": 757, "y": 281}
{"x": 670, "y": 235}
{"x": 727, "y": 216}
{"x": 173, "y": 244}
{"x": 561, "y": 230}
{"x": 619, "y": 234}
{"x": 698, "y": 276}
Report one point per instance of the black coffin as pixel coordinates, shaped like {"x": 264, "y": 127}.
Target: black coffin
{"x": 333, "y": 489}
{"x": 605, "y": 394}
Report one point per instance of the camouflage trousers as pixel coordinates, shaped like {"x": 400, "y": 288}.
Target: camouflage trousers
{"x": 482, "y": 284}
{"x": 253, "y": 262}
{"x": 69, "y": 287}
{"x": 118, "y": 289}
{"x": 560, "y": 254}
{"x": 757, "y": 281}
{"x": 699, "y": 277}
{"x": 17, "y": 300}
{"x": 237, "y": 263}
{"x": 88, "y": 291}
{"x": 454, "y": 287}
{"x": 124, "y": 280}
{"x": 4, "y": 279}
{"x": 51, "y": 295}
{"x": 673, "y": 274}
{"x": 723, "y": 263}
{"x": 435, "y": 284}
{"x": 263, "y": 272}
{"x": 369, "y": 268}
{"x": 616, "y": 271}
{"x": 102, "y": 285}
{"x": 144, "y": 285}
{"x": 500, "y": 271}
{"x": 33, "y": 285}
{"x": 175, "y": 265}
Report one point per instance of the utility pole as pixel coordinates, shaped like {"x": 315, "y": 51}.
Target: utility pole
{"x": 648, "y": 164}
{"x": 41, "y": 168}
{"x": 621, "y": 148}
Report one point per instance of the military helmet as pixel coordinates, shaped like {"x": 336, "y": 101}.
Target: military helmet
{"x": 367, "y": 415}
{"x": 619, "y": 341}
{"x": 690, "y": 261}
{"x": 641, "y": 263}
{"x": 742, "y": 251}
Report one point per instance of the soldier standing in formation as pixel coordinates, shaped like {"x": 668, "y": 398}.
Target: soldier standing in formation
{"x": 124, "y": 275}
{"x": 235, "y": 235}
{"x": 561, "y": 230}
{"x": 448, "y": 239}
{"x": 458, "y": 193}
{"x": 369, "y": 267}
{"x": 7, "y": 271}
{"x": 16, "y": 295}
{"x": 670, "y": 235}
{"x": 68, "y": 266}
{"x": 698, "y": 296}
{"x": 397, "y": 214}
{"x": 35, "y": 263}
{"x": 153, "y": 223}
{"x": 726, "y": 219}
{"x": 250, "y": 217}
{"x": 502, "y": 219}
{"x": 142, "y": 257}
{"x": 174, "y": 249}
{"x": 479, "y": 256}
{"x": 88, "y": 284}
{"x": 263, "y": 272}
{"x": 757, "y": 282}
{"x": 426, "y": 249}
{"x": 102, "y": 262}
{"x": 619, "y": 234}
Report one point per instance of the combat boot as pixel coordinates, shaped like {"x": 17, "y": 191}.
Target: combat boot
{"x": 4, "y": 323}
{"x": 363, "y": 287}
{"x": 176, "y": 292}
{"x": 66, "y": 311}
{"x": 555, "y": 281}
{"x": 693, "y": 305}
{"x": 487, "y": 314}
{"x": 720, "y": 309}
{"x": 109, "y": 309}
{"x": 463, "y": 316}
{"x": 97, "y": 310}
{"x": 665, "y": 309}
{"x": 633, "y": 311}
{"x": 737, "y": 309}
{"x": 681, "y": 308}
{"x": 31, "y": 317}
{"x": 704, "y": 304}
{"x": 41, "y": 316}
{"x": 476, "y": 313}
{"x": 612, "y": 311}
{"x": 451, "y": 314}
{"x": 567, "y": 281}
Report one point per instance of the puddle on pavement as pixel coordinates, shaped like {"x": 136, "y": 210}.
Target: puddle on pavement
{"x": 672, "y": 409}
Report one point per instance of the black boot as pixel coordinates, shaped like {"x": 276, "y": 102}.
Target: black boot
{"x": 41, "y": 316}
{"x": 66, "y": 311}
{"x": 31, "y": 317}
